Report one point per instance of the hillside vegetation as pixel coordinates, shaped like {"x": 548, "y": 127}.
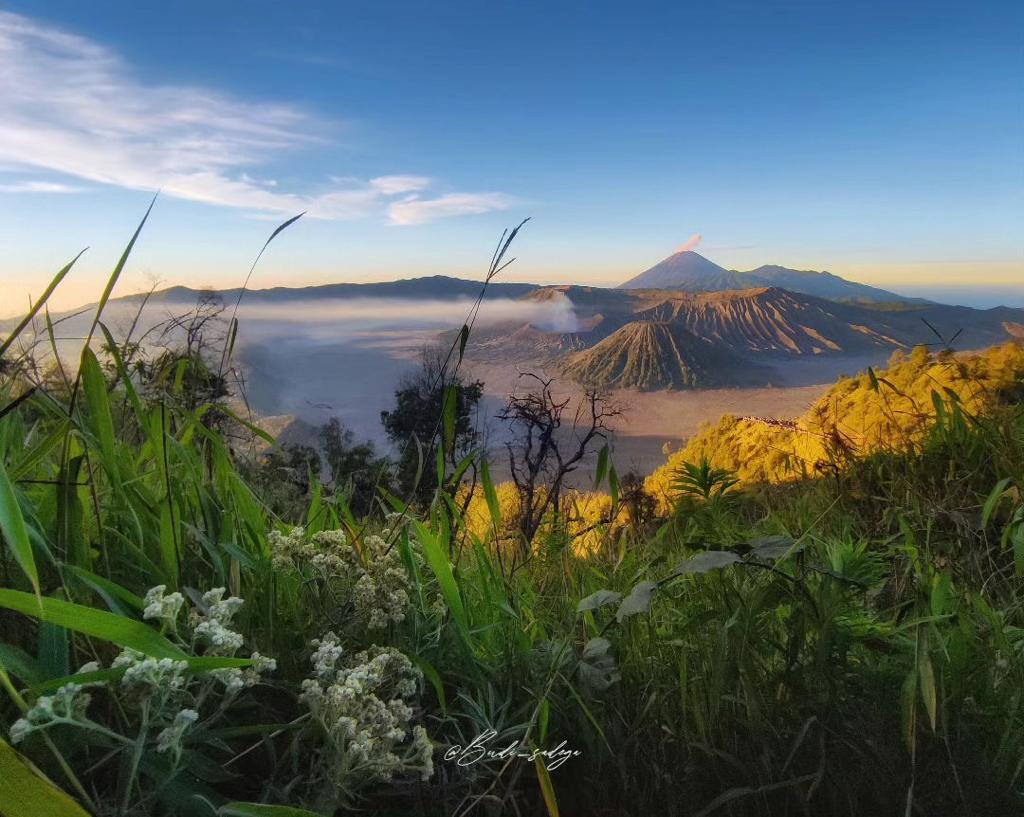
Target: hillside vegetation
{"x": 887, "y": 410}
{"x": 179, "y": 638}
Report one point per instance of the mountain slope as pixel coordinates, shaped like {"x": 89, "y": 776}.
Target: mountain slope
{"x": 854, "y": 416}
{"x": 691, "y": 272}
{"x": 826, "y": 285}
{"x": 437, "y": 287}
{"x": 776, "y": 321}
{"x": 650, "y": 355}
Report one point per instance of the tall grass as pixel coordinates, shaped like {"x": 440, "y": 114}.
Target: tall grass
{"x": 850, "y": 645}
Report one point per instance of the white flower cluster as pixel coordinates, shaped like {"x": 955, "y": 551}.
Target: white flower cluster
{"x": 382, "y": 586}
{"x": 211, "y": 626}
{"x": 324, "y": 550}
{"x": 159, "y": 686}
{"x": 162, "y": 606}
{"x": 364, "y": 708}
{"x": 170, "y": 738}
{"x": 378, "y": 581}
{"x": 146, "y": 675}
{"x": 66, "y": 705}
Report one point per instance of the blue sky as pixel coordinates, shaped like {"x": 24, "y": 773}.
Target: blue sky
{"x": 882, "y": 141}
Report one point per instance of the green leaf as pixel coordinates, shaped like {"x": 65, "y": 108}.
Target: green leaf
{"x": 53, "y": 650}
{"x": 463, "y": 340}
{"x": 70, "y": 515}
{"x": 116, "y": 274}
{"x": 101, "y": 421}
{"x": 926, "y": 679}
{"x": 263, "y": 810}
{"x": 448, "y": 414}
{"x": 12, "y": 525}
{"x": 491, "y": 495}
{"x": 24, "y": 792}
{"x": 547, "y": 788}
{"x": 602, "y": 466}
{"x": 597, "y": 670}
{"x": 125, "y": 632}
{"x": 20, "y": 664}
{"x": 598, "y": 599}
{"x": 872, "y": 379}
{"x": 706, "y": 561}
{"x": 34, "y": 309}
{"x": 638, "y": 600}
{"x": 437, "y": 559}
{"x": 773, "y": 548}
{"x": 435, "y": 681}
{"x": 993, "y": 500}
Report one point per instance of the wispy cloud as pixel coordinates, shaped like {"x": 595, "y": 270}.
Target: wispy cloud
{"x": 39, "y": 187}
{"x": 74, "y": 107}
{"x": 418, "y": 211}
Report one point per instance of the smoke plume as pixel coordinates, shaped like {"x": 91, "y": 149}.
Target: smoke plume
{"x": 690, "y": 243}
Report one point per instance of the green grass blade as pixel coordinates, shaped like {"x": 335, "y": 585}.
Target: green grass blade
{"x": 116, "y": 274}
{"x": 119, "y": 630}
{"x": 12, "y": 525}
{"x": 24, "y": 792}
{"x": 437, "y": 559}
{"x": 34, "y": 309}
{"x": 101, "y": 421}
{"x": 263, "y": 810}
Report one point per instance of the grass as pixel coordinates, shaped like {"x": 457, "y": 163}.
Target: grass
{"x": 845, "y": 645}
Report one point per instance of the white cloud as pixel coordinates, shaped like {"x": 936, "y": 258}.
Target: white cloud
{"x": 396, "y": 185}
{"x": 74, "y": 107}
{"x": 39, "y": 187}
{"x": 418, "y": 211}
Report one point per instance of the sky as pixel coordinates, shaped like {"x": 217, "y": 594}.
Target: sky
{"x": 881, "y": 141}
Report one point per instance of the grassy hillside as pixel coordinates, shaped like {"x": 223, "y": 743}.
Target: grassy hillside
{"x": 176, "y": 640}
{"x": 890, "y": 409}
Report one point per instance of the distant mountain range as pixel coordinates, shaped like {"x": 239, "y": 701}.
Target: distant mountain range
{"x": 688, "y": 271}
{"x": 436, "y": 287}
{"x": 685, "y": 323}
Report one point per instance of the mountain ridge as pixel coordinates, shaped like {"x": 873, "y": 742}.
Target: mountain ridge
{"x": 689, "y": 271}
{"x": 649, "y": 355}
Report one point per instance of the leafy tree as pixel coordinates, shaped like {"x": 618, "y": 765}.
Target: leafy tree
{"x": 281, "y": 477}
{"x": 415, "y": 424}
{"x": 355, "y": 468}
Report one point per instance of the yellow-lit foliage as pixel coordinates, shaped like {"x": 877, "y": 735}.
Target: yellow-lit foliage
{"x": 856, "y": 416}
{"x": 583, "y": 518}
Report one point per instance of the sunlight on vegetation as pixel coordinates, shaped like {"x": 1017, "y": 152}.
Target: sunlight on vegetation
{"x": 822, "y": 617}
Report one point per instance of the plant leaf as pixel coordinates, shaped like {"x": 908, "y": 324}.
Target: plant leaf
{"x": 706, "y": 561}
{"x": 993, "y": 500}
{"x": 436, "y": 558}
{"x": 773, "y": 548}
{"x": 24, "y": 792}
{"x": 120, "y": 630}
{"x": 12, "y": 525}
{"x": 638, "y": 600}
{"x": 547, "y": 788}
{"x": 598, "y": 599}
{"x": 263, "y": 810}
{"x": 491, "y": 495}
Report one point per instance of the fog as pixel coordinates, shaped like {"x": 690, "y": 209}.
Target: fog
{"x": 319, "y": 358}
